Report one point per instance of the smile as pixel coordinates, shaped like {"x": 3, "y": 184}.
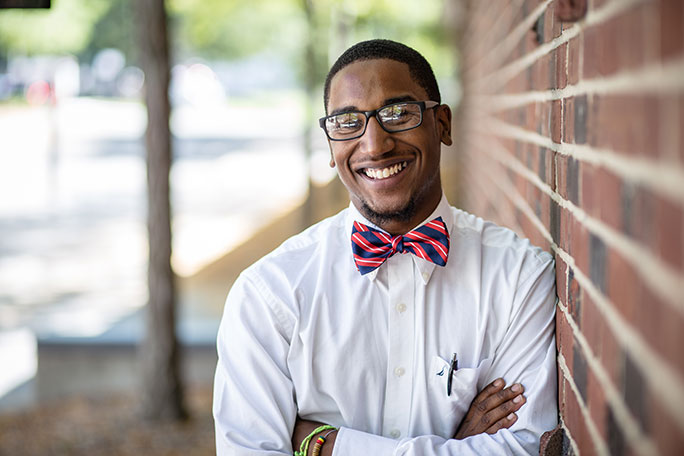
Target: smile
{"x": 384, "y": 173}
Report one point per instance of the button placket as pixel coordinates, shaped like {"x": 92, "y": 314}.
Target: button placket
{"x": 401, "y": 346}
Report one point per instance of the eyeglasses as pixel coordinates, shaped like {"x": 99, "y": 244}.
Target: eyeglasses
{"x": 393, "y": 118}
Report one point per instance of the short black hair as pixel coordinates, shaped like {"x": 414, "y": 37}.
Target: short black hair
{"x": 419, "y": 68}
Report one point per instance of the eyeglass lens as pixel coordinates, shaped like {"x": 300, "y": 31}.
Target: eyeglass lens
{"x": 396, "y": 117}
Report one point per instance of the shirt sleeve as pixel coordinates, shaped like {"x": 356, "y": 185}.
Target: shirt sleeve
{"x": 254, "y": 402}
{"x": 526, "y": 354}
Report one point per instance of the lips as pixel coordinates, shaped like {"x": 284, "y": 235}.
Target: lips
{"x": 384, "y": 173}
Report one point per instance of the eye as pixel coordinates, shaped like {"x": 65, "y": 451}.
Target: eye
{"x": 348, "y": 121}
{"x": 400, "y": 114}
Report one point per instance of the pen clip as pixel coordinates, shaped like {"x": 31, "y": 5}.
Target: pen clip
{"x": 453, "y": 365}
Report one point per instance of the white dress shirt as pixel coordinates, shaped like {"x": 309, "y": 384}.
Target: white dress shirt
{"x": 304, "y": 333}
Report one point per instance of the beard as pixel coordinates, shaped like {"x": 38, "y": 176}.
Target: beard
{"x": 404, "y": 214}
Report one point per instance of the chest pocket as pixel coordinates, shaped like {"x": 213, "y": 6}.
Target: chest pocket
{"x": 464, "y": 387}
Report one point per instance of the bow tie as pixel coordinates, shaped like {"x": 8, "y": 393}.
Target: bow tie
{"x": 373, "y": 247}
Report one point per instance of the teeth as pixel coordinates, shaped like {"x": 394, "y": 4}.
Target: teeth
{"x": 376, "y": 173}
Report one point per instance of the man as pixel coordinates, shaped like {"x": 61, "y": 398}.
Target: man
{"x": 382, "y": 332}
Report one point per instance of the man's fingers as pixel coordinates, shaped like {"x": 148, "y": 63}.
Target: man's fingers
{"x": 503, "y": 423}
{"x": 502, "y": 412}
{"x": 493, "y": 395}
{"x": 492, "y": 409}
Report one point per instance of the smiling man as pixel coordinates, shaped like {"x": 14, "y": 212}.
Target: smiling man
{"x": 392, "y": 327}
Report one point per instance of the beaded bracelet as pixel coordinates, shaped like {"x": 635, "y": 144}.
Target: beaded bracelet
{"x": 319, "y": 443}
{"x": 304, "y": 447}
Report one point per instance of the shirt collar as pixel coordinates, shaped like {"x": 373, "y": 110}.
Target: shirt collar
{"x": 425, "y": 268}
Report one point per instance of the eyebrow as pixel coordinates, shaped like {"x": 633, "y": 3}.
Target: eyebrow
{"x": 387, "y": 101}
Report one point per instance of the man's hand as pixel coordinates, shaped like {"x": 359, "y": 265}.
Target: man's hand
{"x": 492, "y": 409}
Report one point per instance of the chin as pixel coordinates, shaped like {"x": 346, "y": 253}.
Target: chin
{"x": 380, "y": 216}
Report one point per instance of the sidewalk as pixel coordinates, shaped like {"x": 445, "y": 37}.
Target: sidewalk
{"x": 107, "y": 363}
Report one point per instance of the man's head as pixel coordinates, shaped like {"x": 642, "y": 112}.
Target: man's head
{"x": 420, "y": 69}
{"x": 392, "y": 177}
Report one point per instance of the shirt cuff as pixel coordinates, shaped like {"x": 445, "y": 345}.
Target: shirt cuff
{"x": 349, "y": 441}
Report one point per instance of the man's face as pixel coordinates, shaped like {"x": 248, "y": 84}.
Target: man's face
{"x": 404, "y": 199}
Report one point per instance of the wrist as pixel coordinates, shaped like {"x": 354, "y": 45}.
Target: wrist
{"x": 315, "y": 442}
{"x": 329, "y": 444}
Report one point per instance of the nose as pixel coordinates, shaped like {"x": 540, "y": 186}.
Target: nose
{"x": 376, "y": 141}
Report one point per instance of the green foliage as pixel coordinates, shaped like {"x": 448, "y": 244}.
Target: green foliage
{"x": 65, "y": 28}
{"x": 230, "y": 29}
{"x": 234, "y": 29}
{"x": 114, "y": 29}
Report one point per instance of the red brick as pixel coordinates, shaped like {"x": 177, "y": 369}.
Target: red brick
{"x": 566, "y": 231}
{"x": 668, "y": 221}
{"x": 577, "y": 424}
{"x": 661, "y": 327}
{"x": 551, "y": 169}
{"x": 549, "y": 19}
{"x": 671, "y": 31}
{"x": 544, "y": 119}
{"x": 589, "y": 196}
{"x": 631, "y": 36}
{"x": 593, "y": 325}
{"x": 601, "y": 338}
{"x": 627, "y": 124}
{"x": 545, "y": 210}
{"x": 531, "y": 117}
{"x": 609, "y": 197}
{"x": 556, "y": 110}
{"x": 580, "y": 245}
{"x": 568, "y": 127}
{"x": 624, "y": 287}
{"x": 561, "y": 280}
{"x": 573, "y": 60}
{"x": 681, "y": 130}
{"x": 641, "y": 205}
{"x": 564, "y": 339}
{"x": 563, "y": 388}
{"x": 665, "y": 430}
{"x": 600, "y": 46}
{"x": 596, "y": 403}
{"x": 562, "y": 175}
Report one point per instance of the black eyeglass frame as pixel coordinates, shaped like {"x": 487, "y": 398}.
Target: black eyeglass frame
{"x": 374, "y": 113}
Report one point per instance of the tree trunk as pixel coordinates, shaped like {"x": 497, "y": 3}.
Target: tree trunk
{"x": 162, "y": 397}
{"x": 310, "y": 86}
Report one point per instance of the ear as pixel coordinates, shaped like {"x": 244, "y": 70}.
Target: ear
{"x": 332, "y": 159}
{"x": 443, "y": 115}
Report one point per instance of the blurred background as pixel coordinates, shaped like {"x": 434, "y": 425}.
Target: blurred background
{"x": 568, "y": 128}
{"x": 248, "y": 157}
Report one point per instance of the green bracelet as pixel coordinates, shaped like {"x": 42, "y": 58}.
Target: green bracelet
{"x": 304, "y": 447}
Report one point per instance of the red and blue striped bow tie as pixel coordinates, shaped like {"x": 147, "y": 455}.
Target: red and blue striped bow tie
{"x": 373, "y": 247}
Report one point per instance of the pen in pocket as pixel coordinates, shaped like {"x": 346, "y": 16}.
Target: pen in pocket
{"x": 452, "y": 367}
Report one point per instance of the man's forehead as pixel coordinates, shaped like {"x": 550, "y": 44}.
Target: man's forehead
{"x": 371, "y": 82}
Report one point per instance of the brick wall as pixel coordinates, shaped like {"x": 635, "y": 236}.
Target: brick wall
{"x": 571, "y": 133}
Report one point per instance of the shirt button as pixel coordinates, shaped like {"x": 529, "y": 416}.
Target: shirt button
{"x": 401, "y": 308}
{"x": 426, "y": 276}
{"x": 395, "y": 433}
{"x": 399, "y": 371}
